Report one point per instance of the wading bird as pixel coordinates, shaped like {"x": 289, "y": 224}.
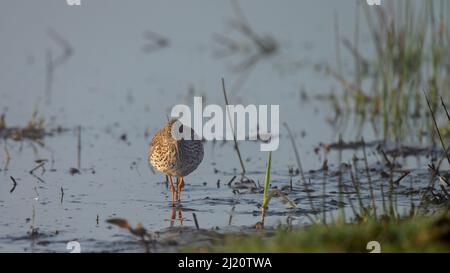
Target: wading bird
{"x": 175, "y": 157}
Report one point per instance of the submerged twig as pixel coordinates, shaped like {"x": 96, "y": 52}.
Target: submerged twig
{"x": 405, "y": 174}
{"x": 231, "y": 215}
{"x": 195, "y": 221}
{"x": 14, "y": 184}
{"x": 231, "y": 180}
{"x": 40, "y": 165}
{"x": 62, "y": 194}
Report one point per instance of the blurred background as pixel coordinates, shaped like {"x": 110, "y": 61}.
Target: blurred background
{"x": 114, "y": 69}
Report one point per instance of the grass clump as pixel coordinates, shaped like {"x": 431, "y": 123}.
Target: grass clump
{"x": 410, "y": 45}
{"x": 421, "y": 234}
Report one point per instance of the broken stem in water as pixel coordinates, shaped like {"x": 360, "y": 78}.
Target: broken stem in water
{"x": 232, "y": 130}
{"x": 195, "y": 221}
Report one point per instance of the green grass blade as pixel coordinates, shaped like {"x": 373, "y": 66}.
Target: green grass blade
{"x": 267, "y": 181}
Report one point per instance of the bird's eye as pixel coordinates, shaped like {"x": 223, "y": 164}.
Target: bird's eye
{"x": 180, "y": 129}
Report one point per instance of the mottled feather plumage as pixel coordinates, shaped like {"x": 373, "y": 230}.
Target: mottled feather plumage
{"x": 175, "y": 157}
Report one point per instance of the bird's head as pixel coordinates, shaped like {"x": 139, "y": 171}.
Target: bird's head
{"x": 178, "y": 131}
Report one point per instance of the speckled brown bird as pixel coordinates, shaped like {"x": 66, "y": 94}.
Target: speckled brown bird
{"x": 175, "y": 157}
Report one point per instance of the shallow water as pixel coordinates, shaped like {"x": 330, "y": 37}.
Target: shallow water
{"x": 121, "y": 95}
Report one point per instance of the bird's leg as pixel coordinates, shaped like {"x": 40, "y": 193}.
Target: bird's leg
{"x": 172, "y": 216}
{"x": 172, "y": 189}
{"x": 180, "y": 217}
{"x": 178, "y": 190}
{"x": 180, "y": 186}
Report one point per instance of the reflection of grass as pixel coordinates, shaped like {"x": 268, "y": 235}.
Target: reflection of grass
{"x": 410, "y": 235}
{"x": 410, "y": 52}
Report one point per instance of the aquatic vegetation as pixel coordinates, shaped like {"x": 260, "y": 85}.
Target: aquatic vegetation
{"x": 266, "y": 188}
{"x": 420, "y": 230}
{"x": 410, "y": 53}
{"x": 444, "y": 148}
{"x": 140, "y": 232}
{"x": 339, "y": 206}
{"x": 33, "y": 131}
{"x": 423, "y": 234}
